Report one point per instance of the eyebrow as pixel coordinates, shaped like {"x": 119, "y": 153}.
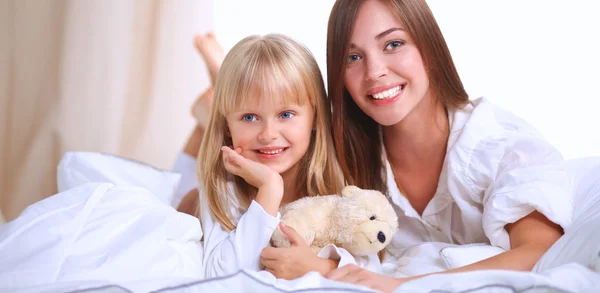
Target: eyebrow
{"x": 387, "y": 32}
{"x": 382, "y": 34}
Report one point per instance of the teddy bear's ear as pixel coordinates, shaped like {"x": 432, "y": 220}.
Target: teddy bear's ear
{"x": 350, "y": 189}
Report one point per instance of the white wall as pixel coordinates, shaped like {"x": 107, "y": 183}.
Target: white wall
{"x": 539, "y": 59}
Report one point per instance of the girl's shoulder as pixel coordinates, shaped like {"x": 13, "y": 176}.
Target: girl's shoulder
{"x": 235, "y": 207}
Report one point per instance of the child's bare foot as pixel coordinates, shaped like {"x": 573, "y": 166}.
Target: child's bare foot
{"x": 201, "y": 108}
{"x": 212, "y": 52}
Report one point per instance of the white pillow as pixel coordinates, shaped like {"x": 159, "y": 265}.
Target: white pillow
{"x": 77, "y": 168}
{"x": 581, "y": 241}
{"x": 456, "y": 256}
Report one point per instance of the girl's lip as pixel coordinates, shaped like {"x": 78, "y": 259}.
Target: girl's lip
{"x": 260, "y": 152}
{"x": 269, "y": 149}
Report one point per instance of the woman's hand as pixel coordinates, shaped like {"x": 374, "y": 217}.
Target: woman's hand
{"x": 268, "y": 181}
{"x": 354, "y": 274}
{"x": 295, "y": 261}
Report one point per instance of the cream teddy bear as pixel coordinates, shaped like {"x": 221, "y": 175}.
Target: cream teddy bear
{"x": 361, "y": 221}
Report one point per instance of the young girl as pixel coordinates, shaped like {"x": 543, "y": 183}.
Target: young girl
{"x": 268, "y": 142}
{"x": 457, "y": 171}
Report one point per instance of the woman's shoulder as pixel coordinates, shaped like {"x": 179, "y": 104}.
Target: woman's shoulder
{"x": 486, "y": 128}
{"x": 485, "y": 136}
{"x": 482, "y": 119}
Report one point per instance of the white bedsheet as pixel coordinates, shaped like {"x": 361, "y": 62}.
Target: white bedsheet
{"x": 569, "y": 278}
{"x": 124, "y": 239}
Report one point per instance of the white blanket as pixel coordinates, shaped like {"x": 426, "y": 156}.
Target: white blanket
{"x": 570, "y": 278}
{"x": 125, "y": 239}
{"x": 98, "y": 231}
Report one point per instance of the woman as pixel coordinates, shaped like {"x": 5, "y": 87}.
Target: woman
{"x": 458, "y": 171}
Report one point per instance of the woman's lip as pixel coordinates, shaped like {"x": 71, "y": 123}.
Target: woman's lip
{"x": 387, "y": 101}
{"x": 380, "y": 89}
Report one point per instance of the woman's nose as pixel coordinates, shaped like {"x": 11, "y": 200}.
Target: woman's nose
{"x": 376, "y": 68}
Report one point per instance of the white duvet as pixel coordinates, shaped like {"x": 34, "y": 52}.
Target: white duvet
{"x": 118, "y": 238}
{"x": 98, "y": 231}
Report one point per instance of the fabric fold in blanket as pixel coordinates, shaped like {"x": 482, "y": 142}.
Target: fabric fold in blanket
{"x": 98, "y": 231}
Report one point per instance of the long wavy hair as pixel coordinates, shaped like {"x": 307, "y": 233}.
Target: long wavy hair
{"x": 357, "y": 137}
{"x": 259, "y": 69}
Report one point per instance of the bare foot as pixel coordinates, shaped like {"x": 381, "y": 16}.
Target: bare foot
{"x": 201, "y": 108}
{"x": 212, "y": 52}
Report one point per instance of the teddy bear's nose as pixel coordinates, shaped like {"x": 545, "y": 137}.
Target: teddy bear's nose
{"x": 381, "y": 237}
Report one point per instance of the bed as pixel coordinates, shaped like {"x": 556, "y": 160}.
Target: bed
{"x": 111, "y": 228}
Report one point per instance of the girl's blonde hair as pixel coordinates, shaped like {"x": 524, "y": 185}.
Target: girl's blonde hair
{"x": 259, "y": 69}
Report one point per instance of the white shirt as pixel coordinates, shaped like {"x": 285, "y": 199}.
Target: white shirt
{"x": 226, "y": 253}
{"x": 497, "y": 170}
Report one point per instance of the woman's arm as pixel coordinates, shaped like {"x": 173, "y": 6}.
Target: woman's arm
{"x": 530, "y": 238}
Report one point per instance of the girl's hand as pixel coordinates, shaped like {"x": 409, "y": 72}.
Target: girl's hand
{"x": 354, "y": 274}
{"x": 268, "y": 182}
{"x": 256, "y": 174}
{"x": 295, "y": 261}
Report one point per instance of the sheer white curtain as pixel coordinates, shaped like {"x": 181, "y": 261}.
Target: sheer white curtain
{"x": 101, "y": 75}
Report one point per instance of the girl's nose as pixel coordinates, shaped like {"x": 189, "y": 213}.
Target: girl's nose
{"x": 268, "y": 133}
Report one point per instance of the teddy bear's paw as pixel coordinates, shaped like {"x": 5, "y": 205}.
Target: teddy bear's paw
{"x": 279, "y": 239}
{"x": 350, "y": 189}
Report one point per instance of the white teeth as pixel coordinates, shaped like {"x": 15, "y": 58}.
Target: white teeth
{"x": 387, "y": 93}
{"x": 272, "y": 152}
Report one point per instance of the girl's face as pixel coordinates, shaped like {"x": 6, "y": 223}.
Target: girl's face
{"x": 384, "y": 72}
{"x": 273, "y": 134}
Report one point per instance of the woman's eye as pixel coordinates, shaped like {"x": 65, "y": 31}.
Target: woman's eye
{"x": 393, "y": 45}
{"x": 287, "y": 115}
{"x": 249, "y": 117}
{"x": 372, "y": 218}
{"x": 353, "y": 57}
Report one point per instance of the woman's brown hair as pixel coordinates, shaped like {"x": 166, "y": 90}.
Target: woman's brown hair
{"x": 357, "y": 137}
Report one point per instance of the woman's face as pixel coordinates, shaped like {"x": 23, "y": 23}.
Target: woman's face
{"x": 384, "y": 72}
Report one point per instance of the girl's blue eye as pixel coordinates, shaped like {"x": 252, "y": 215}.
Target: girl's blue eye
{"x": 393, "y": 45}
{"x": 249, "y": 117}
{"x": 287, "y": 115}
{"x": 353, "y": 57}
